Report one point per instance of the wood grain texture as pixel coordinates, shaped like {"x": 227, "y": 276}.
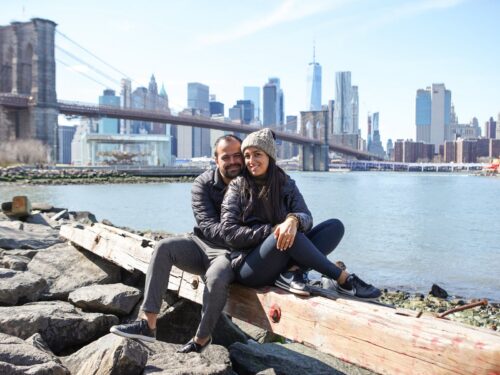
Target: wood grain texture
{"x": 371, "y": 336}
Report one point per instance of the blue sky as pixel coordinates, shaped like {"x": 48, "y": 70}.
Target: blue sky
{"x": 391, "y": 47}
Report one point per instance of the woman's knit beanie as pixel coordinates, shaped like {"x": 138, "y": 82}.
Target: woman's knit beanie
{"x": 263, "y": 139}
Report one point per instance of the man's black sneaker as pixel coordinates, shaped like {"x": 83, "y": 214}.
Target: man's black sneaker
{"x": 293, "y": 281}
{"x": 136, "y": 330}
{"x": 356, "y": 287}
{"x": 191, "y": 346}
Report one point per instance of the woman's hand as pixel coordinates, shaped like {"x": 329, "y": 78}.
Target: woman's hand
{"x": 285, "y": 233}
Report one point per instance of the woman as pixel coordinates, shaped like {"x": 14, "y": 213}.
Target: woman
{"x": 267, "y": 224}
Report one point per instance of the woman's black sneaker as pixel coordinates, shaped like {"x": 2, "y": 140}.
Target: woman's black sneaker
{"x": 136, "y": 330}
{"x": 191, "y": 346}
{"x": 356, "y": 287}
{"x": 293, "y": 281}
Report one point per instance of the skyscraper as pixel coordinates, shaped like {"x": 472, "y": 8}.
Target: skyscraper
{"x": 273, "y": 104}
{"x": 375, "y": 146}
{"x": 355, "y": 110}
{"x": 342, "y": 122}
{"x": 314, "y": 84}
{"x": 198, "y": 95}
{"x": 109, "y": 125}
{"x": 253, "y": 93}
{"x": 216, "y": 108}
{"x": 490, "y": 128}
{"x": 433, "y": 115}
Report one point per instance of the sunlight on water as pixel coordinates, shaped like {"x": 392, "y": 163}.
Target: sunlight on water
{"x": 402, "y": 230}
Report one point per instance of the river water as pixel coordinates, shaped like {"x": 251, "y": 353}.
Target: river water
{"x": 403, "y": 230}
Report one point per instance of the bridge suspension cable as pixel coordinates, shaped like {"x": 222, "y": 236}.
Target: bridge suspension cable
{"x": 82, "y": 73}
{"x": 116, "y": 82}
{"x": 92, "y": 54}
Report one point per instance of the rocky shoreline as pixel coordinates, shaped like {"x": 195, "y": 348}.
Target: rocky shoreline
{"x": 39, "y": 176}
{"x": 57, "y": 303}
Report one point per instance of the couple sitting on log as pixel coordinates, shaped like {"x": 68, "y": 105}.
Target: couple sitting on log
{"x": 253, "y": 227}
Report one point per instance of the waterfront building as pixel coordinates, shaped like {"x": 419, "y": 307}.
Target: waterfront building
{"x": 433, "y": 114}
{"x": 125, "y": 102}
{"x": 408, "y": 151}
{"x": 498, "y": 127}
{"x": 273, "y": 104}
{"x": 253, "y": 93}
{"x": 490, "y": 128}
{"x": 494, "y": 149}
{"x": 290, "y": 150}
{"x": 109, "y": 125}
{"x": 198, "y": 100}
{"x": 423, "y": 115}
{"x": 247, "y": 111}
{"x": 369, "y": 131}
{"x": 390, "y": 149}
{"x": 235, "y": 113}
{"x": 343, "y": 104}
{"x": 65, "y": 137}
{"x": 216, "y": 108}
{"x": 450, "y": 152}
{"x": 355, "y": 110}
{"x": 375, "y": 146}
{"x": 466, "y": 150}
{"x": 314, "y": 84}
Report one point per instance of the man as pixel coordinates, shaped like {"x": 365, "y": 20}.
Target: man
{"x": 202, "y": 253}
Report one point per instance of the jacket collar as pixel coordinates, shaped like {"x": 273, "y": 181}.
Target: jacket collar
{"x": 218, "y": 181}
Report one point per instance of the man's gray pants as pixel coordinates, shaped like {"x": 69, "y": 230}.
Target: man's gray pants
{"x": 189, "y": 254}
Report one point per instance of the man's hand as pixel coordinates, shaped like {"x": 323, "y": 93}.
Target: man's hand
{"x": 285, "y": 233}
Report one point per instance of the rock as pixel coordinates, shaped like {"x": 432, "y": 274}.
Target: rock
{"x": 110, "y": 354}
{"x": 20, "y": 286}
{"x": 59, "y": 323}
{"x": 163, "y": 359}
{"x": 227, "y": 333}
{"x": 438, "y": 292}
{"x": 13, "y": 262}
{"x": 117, "y": 299}
{"x": 28, "y": 253}
{"x": 38, "y": 342}
{"x": 255, "y": 333}
{"x": 19, "y": 357}
{"x": 17, "y": 235}
{"x": 83, "y": 217}
{"x": 256, "y": 358}
{"x": 66, "y": 269}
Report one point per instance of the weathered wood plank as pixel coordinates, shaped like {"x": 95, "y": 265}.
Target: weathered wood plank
{"x": 371, "y": 336}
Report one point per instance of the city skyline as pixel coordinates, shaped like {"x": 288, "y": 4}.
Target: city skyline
{"x": 392, "y": 49}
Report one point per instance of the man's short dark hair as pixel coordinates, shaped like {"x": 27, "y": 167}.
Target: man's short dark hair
{"x": 226, "y": 137}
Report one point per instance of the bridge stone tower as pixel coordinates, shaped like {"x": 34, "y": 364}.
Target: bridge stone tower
{"x": 314, "y": 124}
{"x": 27, "y": 67}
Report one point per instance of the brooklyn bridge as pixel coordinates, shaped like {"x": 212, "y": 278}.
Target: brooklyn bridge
{"x": 29, "y": 107}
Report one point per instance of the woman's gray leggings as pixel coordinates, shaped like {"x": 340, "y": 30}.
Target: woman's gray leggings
{"x": 185, "y": 253}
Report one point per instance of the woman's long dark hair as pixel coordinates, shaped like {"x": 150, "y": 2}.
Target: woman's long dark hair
{"x": 272, "y": 190}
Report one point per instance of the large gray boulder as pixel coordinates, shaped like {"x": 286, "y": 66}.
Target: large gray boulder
{"x": 38, "y": 342}
{"x": 109, "y": 355}
{"x": 66, "y": 269}
{"x": 19, "y": 286}
{"x": 61, "y": 324}
{"x": 257, "y": 334}
{"x": 13, "y": 261}
{"x": 19, "y": 235}
{"x": 18, "y": 357}
{"x": 163, "y": 359}
{"x": 117, "y": 299}
{"x": 256, "y": 358}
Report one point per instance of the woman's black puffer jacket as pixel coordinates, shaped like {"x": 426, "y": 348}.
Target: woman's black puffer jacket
{"x": 243, "y": 235}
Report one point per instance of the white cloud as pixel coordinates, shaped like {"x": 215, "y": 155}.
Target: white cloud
{"x": 289, "y": 10}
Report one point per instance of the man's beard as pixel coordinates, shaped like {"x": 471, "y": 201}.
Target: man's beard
{"x": 232, "y": 173}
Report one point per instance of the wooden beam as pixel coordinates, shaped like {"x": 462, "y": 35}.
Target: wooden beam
{"x": 371, "y": 336}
